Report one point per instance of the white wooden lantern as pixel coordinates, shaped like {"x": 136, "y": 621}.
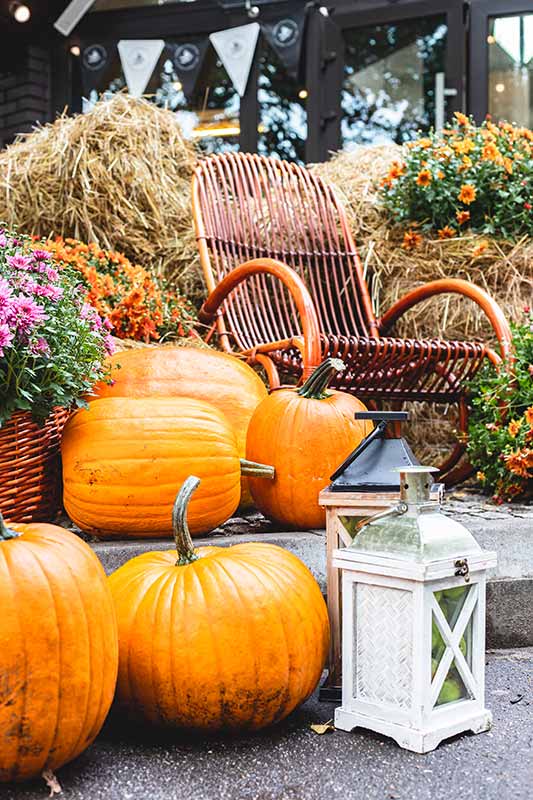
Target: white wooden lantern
{"x": 413, "y": 622}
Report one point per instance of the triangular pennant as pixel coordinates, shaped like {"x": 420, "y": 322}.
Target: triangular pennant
{"x": 285, "y": 36}
{"x": 139, "y": 58}
{"x": 236, "y": 49}
{"x": 188, "y": 59}
{"x": 98, "y": 63}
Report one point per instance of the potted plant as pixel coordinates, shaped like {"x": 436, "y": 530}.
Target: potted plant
{"x": 52, "y": 348}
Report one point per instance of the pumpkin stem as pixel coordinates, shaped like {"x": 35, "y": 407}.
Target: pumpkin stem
{"x": 315, "y": 386}
{"x": 5, "y": 532}
{"x": 257, "y": 470}
{"x": 182, "y": 535}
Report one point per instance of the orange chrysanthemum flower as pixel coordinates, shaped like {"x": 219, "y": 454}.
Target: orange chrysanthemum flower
{"x": 411, "y": 239}
{"x": 446, "y": 232}
{"x": 479, "y": 249}
{"x": 424, "y": 177}
{"x": 464, "y": 146}
{"x": 514, "y": 427}
{"x": 508, "y": 165}
{"x": 462, "y": 119}
{"x": 462, "y": 217}
{"x": 467, "y": 194}
{"x": 490, "y": 152}
{"x": 529, "y": 416}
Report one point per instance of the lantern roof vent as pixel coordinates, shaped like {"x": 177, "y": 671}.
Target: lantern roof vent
{"x": 370, "y": 467}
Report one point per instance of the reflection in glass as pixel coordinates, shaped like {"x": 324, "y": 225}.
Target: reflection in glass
{"x": 211, "y": 118}
{"x": 510, "y": 43}
{"x": 389, "y": 80}
{"x": 282, "y": 127}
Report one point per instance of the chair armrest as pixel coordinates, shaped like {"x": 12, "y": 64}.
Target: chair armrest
{"x": 491, "y": 308}
{"x": 312, "y": 351}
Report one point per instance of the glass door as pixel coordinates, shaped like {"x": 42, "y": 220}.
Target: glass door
{"x": 501, "y": 68}
{"x": 401, "y": 74}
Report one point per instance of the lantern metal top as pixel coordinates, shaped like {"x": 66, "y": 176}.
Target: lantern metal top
{"x": 415, "y": 529}
{"x": 369, "y": 467}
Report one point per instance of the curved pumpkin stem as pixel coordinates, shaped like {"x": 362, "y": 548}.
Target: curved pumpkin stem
{"x": 182, "y": 535}
{"x": 315, "y": 386}
{"x": 5, "y": 532}
{"x": 257, "y": 470}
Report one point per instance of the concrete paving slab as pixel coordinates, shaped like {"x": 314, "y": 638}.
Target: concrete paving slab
{"x": 290, "y": 762}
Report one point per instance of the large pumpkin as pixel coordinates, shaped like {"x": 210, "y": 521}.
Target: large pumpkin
{"x": 305, "y": 433}
{"x": 218, "y": 638}
{"x": 58, "y": 648}
{"x": 124, "y": 458}
{"x": 218, "y": 378}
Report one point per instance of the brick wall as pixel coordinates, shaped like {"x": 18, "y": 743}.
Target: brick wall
{"x": 25, "y": 94}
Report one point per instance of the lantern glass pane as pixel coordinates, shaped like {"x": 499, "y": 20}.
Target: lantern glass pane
{"x": 350, "y": 524}
{"x": 451, "y": 602}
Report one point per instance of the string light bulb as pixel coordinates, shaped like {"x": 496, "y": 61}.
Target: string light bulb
{"x": 20, "y": 12}
{"x": 75, "y": 50}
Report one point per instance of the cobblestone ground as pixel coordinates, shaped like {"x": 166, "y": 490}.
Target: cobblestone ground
{"x": 290, "y": 762}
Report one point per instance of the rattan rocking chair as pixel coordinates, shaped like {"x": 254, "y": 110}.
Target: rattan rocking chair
{"x": 286, "y": 289}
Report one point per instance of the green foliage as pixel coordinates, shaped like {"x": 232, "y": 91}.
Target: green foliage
{"x": 468, "y": 176}
{"x": 501, "y": 425}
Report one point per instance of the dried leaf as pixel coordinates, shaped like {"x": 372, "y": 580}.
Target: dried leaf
{"x": 52, "y": 782}
{"x": 322, "y": 727}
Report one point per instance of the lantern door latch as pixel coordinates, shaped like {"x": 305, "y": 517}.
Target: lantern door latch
{"x": 462, "y": 569}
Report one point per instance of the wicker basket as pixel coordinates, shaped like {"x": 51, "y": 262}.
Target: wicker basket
{"x": 30, "y": 474}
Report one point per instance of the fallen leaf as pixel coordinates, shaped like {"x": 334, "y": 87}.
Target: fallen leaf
{"x": 52, "y": 782}
{"x": 322, "y": 727}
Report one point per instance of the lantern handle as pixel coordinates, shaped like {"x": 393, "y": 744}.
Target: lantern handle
{"x": 394, "y": 511}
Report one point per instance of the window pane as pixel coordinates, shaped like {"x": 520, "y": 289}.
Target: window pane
{"x": 389, "y": 80}
{"x": 109, "y": 5}
{"x": 211, "y": 118}
{"x": 511, "y": 68}
{"x": 282, "y": 116}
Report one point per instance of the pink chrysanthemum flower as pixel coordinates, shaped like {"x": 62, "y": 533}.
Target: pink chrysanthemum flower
{"x": 6, "y": 337}
{"x": 28, "y": 314}
{"x": 3, "y": 240}
{"x": 18, "y": 261}
{"x": 40, "y": 347}
{"x": 6, "y": 296}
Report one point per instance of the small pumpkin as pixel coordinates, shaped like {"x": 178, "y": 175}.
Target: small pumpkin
{"x": 59, "y": 648}
{"x": 219, "y": 637}
{"x": 305, "y": 433}
{"x": 218, "y": 378}
{"x": 123, "y": 459}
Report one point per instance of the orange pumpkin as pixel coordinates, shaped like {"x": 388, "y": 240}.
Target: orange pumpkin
{"x": 305, "y": 433}
{"x": 218, "y": 638}
{"x": 218, "y": 378}
{"x": 59, "y": 649}
{"x": 124, "y": 458}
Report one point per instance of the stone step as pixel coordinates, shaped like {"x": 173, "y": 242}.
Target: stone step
{"x": 507, "y": 530}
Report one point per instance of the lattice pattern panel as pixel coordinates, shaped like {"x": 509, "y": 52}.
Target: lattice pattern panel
{"x": 384, "y": 645}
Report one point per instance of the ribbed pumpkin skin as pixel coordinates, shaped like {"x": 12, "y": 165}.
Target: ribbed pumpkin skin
{"x": 305, "y": 440}
{"x": 123, "y": 461}
{"x": 223, "y": 380}
{"x": 58, "y": 650}
{"x": 235, "y": 640}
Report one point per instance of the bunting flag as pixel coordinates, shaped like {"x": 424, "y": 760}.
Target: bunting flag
{"x": 139, "y": 58}
{"x": 285, "y": 36}
{"x": 188, "y": 59}
{"x": 97, "y": 66}
{"x": 236, "y": 49}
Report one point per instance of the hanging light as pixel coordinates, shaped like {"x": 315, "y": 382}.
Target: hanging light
{"x": 75, "y": 50}
{"x": 20, "y": 12}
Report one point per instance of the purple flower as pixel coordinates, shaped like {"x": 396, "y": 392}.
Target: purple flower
{"x": 109, "y": 344}
{"x": 41, "y": 255}
{"x": 6, "y": 296}
{"x": 52, "y": 274}
{"x": 28, "y": 314}
{"x": 40, "y": 347}
{"x": 19, "y": 262}
{"x": 51, "y": 292}
{"x": 6, "y": 337}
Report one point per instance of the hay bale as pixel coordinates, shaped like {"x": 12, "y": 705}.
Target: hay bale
{"x": 118, "y": 176}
